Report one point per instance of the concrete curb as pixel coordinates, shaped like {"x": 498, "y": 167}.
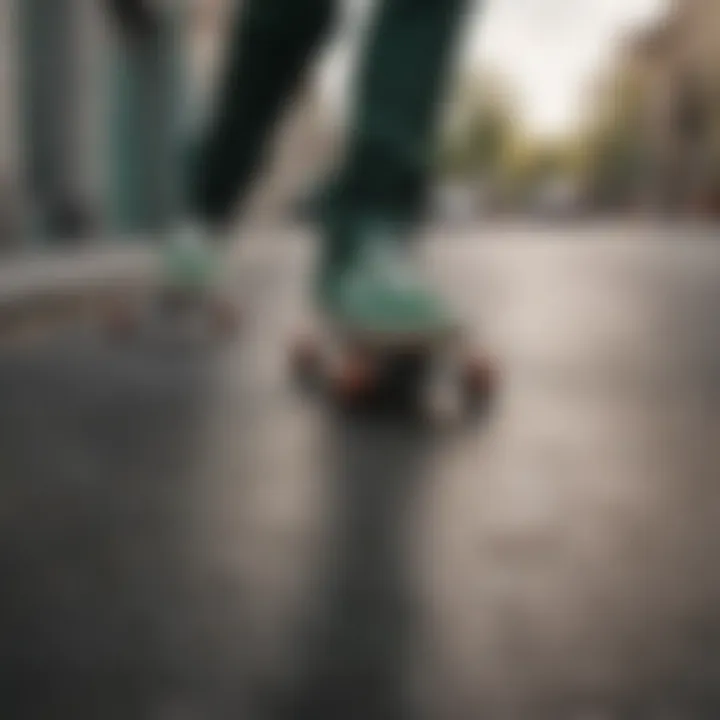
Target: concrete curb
{"x": 43, "y": 291}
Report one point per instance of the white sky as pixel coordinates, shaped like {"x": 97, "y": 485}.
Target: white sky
{"x": 548, "y": 49}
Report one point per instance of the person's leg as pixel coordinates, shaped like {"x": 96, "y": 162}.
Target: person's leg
{"x": 400, "y": 92}
{"x": 384, "y": 179}
{"x": 269, "y": 52}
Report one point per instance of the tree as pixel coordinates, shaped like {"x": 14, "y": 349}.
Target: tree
{"x": 481, "y": 128}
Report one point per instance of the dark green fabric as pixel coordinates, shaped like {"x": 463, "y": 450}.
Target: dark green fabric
{"x": 399, "y": 93}
{"x": 271, "y": 44}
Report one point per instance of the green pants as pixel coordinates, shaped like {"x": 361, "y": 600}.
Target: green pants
{"x": 392, "y": 135}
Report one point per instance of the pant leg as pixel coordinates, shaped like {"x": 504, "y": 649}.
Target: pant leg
{"x": 400, "y": 93}
{"x": 271, "y": 45}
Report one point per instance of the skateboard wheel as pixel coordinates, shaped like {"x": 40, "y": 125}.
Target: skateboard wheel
{"x": 354, "y": 379}
{"x": 479, "y": 377}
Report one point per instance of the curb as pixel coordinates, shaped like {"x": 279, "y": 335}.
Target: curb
{"x": 43, "y": 292}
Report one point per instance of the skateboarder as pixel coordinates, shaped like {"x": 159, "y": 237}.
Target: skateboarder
{"x": 365, "y": 277}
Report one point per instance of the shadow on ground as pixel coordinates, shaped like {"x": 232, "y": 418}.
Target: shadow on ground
{"x": 357, "y": 653}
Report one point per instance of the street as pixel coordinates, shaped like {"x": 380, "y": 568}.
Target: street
{"x": 183, "y": 536}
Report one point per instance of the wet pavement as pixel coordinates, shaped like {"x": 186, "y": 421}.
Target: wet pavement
{"x": 183, "y": 536}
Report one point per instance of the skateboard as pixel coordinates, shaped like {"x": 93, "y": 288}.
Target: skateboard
{"x": 128, "y": 313}
{"x": 440, "y": 376}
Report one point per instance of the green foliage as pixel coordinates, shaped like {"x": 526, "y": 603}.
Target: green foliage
{"x": 481, "y": 128}
{"x": 486, "y": 143}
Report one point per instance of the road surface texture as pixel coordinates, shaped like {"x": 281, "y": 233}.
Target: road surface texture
{"x": 185, "y": 537}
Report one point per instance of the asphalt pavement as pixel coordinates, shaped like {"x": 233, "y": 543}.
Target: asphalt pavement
{"x": 184, "y": 536}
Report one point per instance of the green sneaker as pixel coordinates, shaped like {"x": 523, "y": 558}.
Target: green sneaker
{"x": 375, "y": 287}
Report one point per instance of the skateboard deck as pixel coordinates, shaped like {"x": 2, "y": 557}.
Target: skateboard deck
{"x": 361, "y": 368}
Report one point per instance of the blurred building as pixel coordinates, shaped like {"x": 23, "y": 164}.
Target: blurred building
{"x": 678, "y": 61}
